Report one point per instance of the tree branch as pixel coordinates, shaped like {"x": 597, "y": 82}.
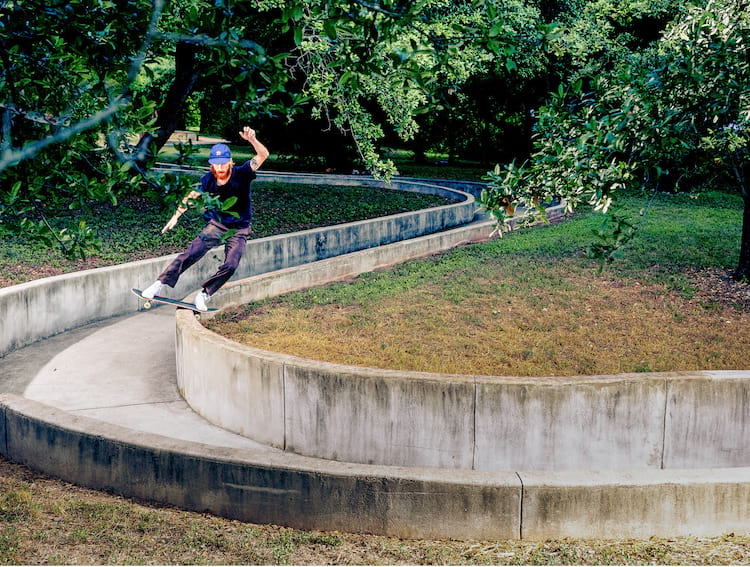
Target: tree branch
{"x": 10, "y": 157}
{"x": 375, "y": 7}
{"x": 35, "y": 116}
{"x": 205, "y": 40}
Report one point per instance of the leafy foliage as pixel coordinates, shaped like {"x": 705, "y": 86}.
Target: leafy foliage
{"x": 67, "y": 68}
{"x": 396, "y": 57}
{"x": 90, "y": 91}
{"x": 672, "y": 115}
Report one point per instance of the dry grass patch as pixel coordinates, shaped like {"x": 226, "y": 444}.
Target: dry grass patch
{"x": 44, "y": 521}
{"x": 569, "y": 320}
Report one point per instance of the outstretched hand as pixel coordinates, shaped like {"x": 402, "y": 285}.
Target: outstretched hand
{"x": 247, "y": 133}
{"x": 262, "y": 154}
{"x": 170, "y": 224}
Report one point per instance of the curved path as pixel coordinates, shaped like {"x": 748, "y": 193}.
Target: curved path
{"x": 99, "y": 405}
{"x": 119, "y": 371}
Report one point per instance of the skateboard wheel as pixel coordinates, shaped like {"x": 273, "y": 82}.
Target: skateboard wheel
{"x": 197, "y": 316}
{"x": 147, "y": 305}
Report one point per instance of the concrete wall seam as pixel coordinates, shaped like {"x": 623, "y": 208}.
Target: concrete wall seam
{"x": 520, "y": 507}
{"x": 664, "y": 425}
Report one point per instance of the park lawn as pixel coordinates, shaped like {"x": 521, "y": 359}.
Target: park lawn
{"x": 533, "y": 304}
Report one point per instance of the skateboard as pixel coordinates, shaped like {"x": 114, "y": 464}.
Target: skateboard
{"x": 147, "y": 303}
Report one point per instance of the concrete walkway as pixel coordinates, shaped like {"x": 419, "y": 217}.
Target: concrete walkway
{"x": 120, "y": 371}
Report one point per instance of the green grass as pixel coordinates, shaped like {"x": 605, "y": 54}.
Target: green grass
{"x": 675, "y": 235}
{"x": 531, "y": 303}
{"x": 281, "y": 208}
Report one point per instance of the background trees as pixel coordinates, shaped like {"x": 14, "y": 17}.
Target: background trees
{"x": 92, "y": 89}
{"x": 671, "y": 116}
{"x": 575, "y": 98}
{"x": 66, "y": 72}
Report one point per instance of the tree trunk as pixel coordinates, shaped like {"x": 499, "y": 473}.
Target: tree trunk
{"x": 743, "y": 266}
{"x": 172, "y": 111}
{"x": 419, "y": 146}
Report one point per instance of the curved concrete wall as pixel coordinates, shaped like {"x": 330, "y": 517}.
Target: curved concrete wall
{"x": 309, "y": 493}
{"x": 45, "y": 307}
{"x": 655, "y": 421}
{"x": 317, "y": 494}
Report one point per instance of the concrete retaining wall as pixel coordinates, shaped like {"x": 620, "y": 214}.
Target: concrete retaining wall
{"x": 309, "y": 493}
{"x": 651, "y": 421}
{"x": 45, "y": 307}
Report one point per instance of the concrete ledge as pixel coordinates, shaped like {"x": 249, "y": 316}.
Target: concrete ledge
{"x": 48, "y": 306}
{"x": 255, "y": 385}
{"x": 312, "y": 493}
{"x": 256, "y": 487}
{"x": 652, "y": 421}
{"x": 308, "y": 493}
{"x": 636, "y": 503}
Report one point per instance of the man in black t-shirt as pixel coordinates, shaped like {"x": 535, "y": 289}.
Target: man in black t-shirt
{"x": 229, "y": 222}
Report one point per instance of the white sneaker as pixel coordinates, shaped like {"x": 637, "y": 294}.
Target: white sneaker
{"x": 201, "y": 299}
{"x": 153, "y": 290}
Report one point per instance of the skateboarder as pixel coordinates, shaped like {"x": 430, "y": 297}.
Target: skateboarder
{"x": 223, "y": 181}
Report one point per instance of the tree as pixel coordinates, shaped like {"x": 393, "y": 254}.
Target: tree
{"x": 69, "y": 88}
{"x": 217, "y": 45}
{"x": 483, "y": 102}
{"x": 677, "y": 109}
{"x": 405, "y": 59}
{"x": 707, "y": 86}
{"x": 66, "y": 72}
{"x": 74, "y": 103}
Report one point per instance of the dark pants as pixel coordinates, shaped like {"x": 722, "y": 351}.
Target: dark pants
{"x": 210, "y": 237}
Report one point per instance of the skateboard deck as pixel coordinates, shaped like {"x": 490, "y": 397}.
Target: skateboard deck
{"x": 147, "y": 303}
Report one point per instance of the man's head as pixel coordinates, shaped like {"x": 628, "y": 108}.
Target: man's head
{"x": 221, "y": 161}
{"x": 220, "y": 154}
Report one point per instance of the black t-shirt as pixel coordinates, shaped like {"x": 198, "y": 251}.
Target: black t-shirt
{"x": 237, "y": 186}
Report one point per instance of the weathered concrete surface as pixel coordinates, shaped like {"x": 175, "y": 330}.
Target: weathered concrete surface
{"x": 307, "y": 493}
{"x": 466, "y": 422}
{"x": 120, "y": 371}
{"x": 707, "y": 421}
{"x": 331, "y": 410}
{"x": 260, "y": 487}
{"x": 557, "y": 424}
{"x": 116, "y": 443}
{"x": 636, "y": 503}
{"x": 255, "y": 384}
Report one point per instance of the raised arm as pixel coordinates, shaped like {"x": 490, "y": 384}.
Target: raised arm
{"x": 261, "y": 152}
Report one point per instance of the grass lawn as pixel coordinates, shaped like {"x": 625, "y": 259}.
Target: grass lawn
{"x": 131, "y": 230}
{"x": 533, "y": 304}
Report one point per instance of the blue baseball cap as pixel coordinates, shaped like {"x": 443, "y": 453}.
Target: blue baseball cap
{"x": 220, "y": 154}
